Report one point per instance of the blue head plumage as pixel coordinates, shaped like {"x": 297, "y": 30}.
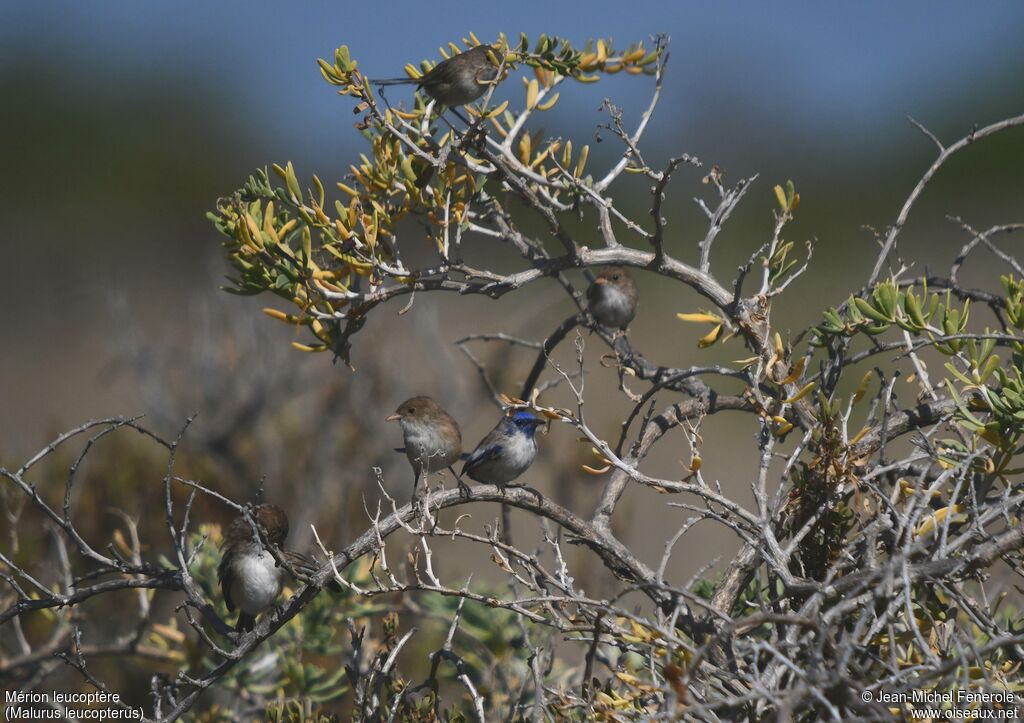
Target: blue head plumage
{"x": 525, "y": 421}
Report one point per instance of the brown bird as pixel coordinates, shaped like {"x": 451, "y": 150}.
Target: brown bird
{"x": 432, "y": 437}
{"x": 613, "y": 298}
{"x": 250, "y": 578}
{"x": 459, "y": 80}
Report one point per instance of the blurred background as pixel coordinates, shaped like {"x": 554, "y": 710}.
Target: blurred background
{"x": 121, "y": 124}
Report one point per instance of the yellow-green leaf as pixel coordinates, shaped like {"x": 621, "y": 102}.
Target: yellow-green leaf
{"x": 781, "y": 196}
{"x": 709, "y": 338}
{"x": 699, "y": 317}
{"x": 532, "y": 89}
{"x": 800, "y": 394}
{"x": 863, "y": 386}
{"x": 936, "y": 519}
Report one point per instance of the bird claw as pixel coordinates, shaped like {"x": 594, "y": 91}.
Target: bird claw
{"x": 476, "y": 134}
{"x": 536, "y": 493}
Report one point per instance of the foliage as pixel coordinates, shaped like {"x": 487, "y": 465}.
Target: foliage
{"x": 313, "y": 252}
{"x": 877, "y": 541}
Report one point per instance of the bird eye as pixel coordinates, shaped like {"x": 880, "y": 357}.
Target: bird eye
{"x": 615, "y": 277}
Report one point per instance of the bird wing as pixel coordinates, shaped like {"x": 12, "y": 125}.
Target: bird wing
{"x": 225, "y": 577}
{"x": 305, "y": 565}
{"x": 301, "y": 563}
{"x": 488, "y": 449}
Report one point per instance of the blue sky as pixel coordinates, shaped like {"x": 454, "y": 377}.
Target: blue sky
{"x": 814, "y": 67}
{"x": 817, "y": 92}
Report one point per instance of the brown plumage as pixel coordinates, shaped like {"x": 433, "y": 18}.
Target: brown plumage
{"x": 459, "y": 80}
{"x": 250, "y": 578}
{"x": 432, "y": 437}
{"x": 613, "y": 298}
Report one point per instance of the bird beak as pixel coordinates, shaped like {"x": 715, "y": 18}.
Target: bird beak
{"x": 393, "y": 418}
{"x": 600, "y": 280}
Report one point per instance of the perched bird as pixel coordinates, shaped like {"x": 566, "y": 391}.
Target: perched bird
{"x": 250, "y": 578}
{"x": 459, "y": 80}
{"x": 613, "y": 298}
{"x": 432, "y": 437}
{"x": 506, "y": 451}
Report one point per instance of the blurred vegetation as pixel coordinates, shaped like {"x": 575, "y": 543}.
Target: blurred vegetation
{"x": 151, "y": 151}
{"x": 297, "y": 243}
{"x": 137, "y": 164}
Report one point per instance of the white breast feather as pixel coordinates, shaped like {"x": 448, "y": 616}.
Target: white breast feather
{"x": 424, "y": 447}
{"x": 611, "y": 306}
{"x": 519, "y": 451}
{"x": 257, "y": 582}
{"x": 521, "y": 448}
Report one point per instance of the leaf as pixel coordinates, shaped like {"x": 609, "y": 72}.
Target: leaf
{"x": 795, "y": 372}
{"x": 280, "y": 316}
{"x": 292, "y": 182}
{"x": 709, "y": 338}
{"x": 936, "y": 519}
{"x": 781, "y": 196}
{"x": 407, "y": 169}
{"x": 800, "y": 394}
{"x": 169, "y": 632}
{"x": 863, "y": 386}
{"x": 500, "y": 563}
{"x": 913, "y": 309}
{"x": 532, "y": 90}
{"x": 525, "y": 149}
{"x": 307, "y": 246}
{"x": 990, "y": 366}
{"x": 860, "y": 435}
{"x": 783, "y": 429}
{"x": 501, "y": 109}
{"x": 548, "y": 104}
{"x": 699, "y": 317}
{"x": 581, "y": 163}
{"x": 870, "y": 311}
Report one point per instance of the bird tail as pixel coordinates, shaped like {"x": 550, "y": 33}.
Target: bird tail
{"x": 398, "y": 81}
{"x": 306, "y": 566}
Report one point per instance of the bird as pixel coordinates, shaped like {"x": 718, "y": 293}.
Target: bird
{"x": 612, "y": 298}
{"x": 433, "y": 441}
{"x": 250, "y": 578}
{"x": 461, "y": 79}
{"x": 507, "y": 450}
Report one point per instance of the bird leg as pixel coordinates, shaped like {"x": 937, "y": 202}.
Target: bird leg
{"x": 475, "y": 133}
{"x": 243, "y": 627}
{"x": 459, "y": 116}
{"x": 415, "y": 488}
{"x": 463, "y": 487}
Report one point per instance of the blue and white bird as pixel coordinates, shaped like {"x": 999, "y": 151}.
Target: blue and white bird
{"x": 507, "y": 450}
